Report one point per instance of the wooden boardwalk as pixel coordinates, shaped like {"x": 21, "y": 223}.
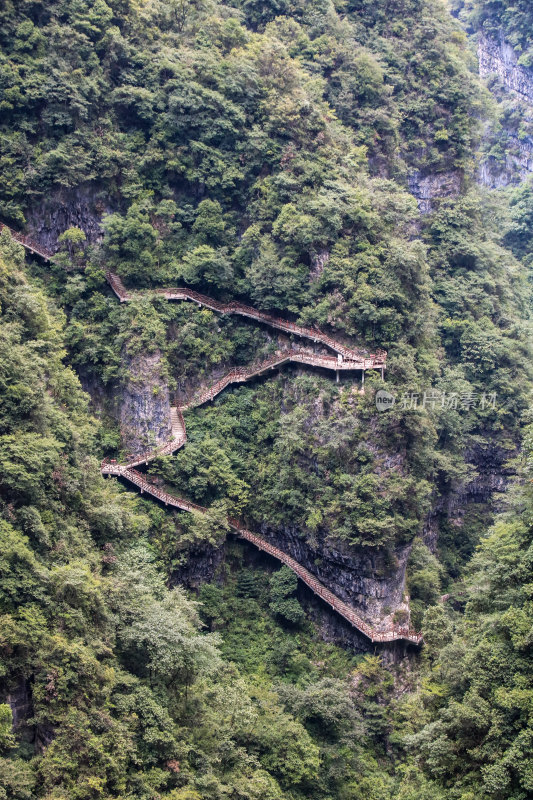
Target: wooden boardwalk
{"x": 374, "y": 361}
{"x": 349, "y": 360}
{"x": 391, "y": 634}
{"x": 236, "y": 375}
{"x": 128, "y": 472}
{"x": 30, "y": 244}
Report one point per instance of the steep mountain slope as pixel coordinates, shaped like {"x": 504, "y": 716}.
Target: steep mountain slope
{"x": 319, "y": 161}
{"x": 212, "y": 138}
{"x": 108, "y": 687}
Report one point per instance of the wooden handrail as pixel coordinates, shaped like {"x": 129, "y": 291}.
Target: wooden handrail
{"x": 377, "y": 360}
{"x": 353, "y": 360}
{"x": 129, "y": 473}
{"x": 29, "y": 243}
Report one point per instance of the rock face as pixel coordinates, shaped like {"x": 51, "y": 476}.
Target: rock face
{"x": 515, "y": 167}
{"x": 82, "y": 207}
{"x": 202, "y": 565}
{"x": 426, "y": 188}
{"x": 333, "y": 628}
{"x": 493, "y": 477}
{"x": 318, "y": 262}
{"x": 205, "y": 564}
{"x": 370, "y": 579}
{"x": 145, "y": 404}
{"x": 19, "y": 700}
{"x": 496, "y": 57}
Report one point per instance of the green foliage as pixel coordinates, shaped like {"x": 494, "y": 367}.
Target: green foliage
{"x": 7, "y": 739}
{"x": 208, "y": 472}
{"x": 247, "y": 584}
{"x": 519, "y": 236}
{"x": 283, "y": 584}
{"x": 512, "y": 18}
{"x": 126, "y": 689}
{"x": 239, "y": 151}
{"x": 204, "y": 264}
{"x": 480, "y": 731}
{"x": 424, "y": 575}
{"x": 243, "y": 149}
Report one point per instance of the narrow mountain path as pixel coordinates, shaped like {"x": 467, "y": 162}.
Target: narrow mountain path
{"x": 375, "y": 361}
{"x": 347, "y": 359}
{"x": 30, "y": 244}
{"x": 391, "y": 634}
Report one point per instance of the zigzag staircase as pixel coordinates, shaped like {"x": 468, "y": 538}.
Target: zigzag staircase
{"x": 350, "y": 360}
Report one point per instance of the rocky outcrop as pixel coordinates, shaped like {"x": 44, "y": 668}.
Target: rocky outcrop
{"x": 333, "y": 628}
{"x": 19, "y": 699}
{"x": 514, "y": 167}
{"x": 145, "y": 404}
{"x": 318, "y": 262}
{"x": 488, "y": 487}
{"x": 370, "y": 579}
{"x": 202, "y": 564}
{"x": 427, "y": 188}
{"x": 497, "y": 57}
{"x": 205, "y": 564}
{"x": 82, "y": 207}
{"x": 512, "y": 86}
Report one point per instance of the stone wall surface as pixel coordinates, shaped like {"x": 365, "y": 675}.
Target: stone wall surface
{"x": 144, "y": 404}
{"x": 497, "y": 57}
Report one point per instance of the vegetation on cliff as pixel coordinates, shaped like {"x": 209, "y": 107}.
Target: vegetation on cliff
{"x": 511, "y": 20}
{"x": 262, "y": 151}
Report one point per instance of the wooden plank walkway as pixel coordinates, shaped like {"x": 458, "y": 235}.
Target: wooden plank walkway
{"x": 30, "y": 244}
{"x": 374, "y": 361}
{"x": 128, "y": 472}
{"x": 391, "y": 634}
{"x": 236, "y": 375}
{"x": 350, "y": 360}
{"x": 278, "y": 359}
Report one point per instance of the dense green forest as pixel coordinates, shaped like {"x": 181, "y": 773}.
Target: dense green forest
{"x": 266, "y": 151}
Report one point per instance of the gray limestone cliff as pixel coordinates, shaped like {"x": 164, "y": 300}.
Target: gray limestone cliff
{"x": 493, "y": 472}
{"x": 351, "y": 575}
{"x": 144, "y": 404}
{"x": 497, "y": 57}
{"x": 514, "y": 165}
{"x": 428, "y": 188}
{"x": 510, "y": 157}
